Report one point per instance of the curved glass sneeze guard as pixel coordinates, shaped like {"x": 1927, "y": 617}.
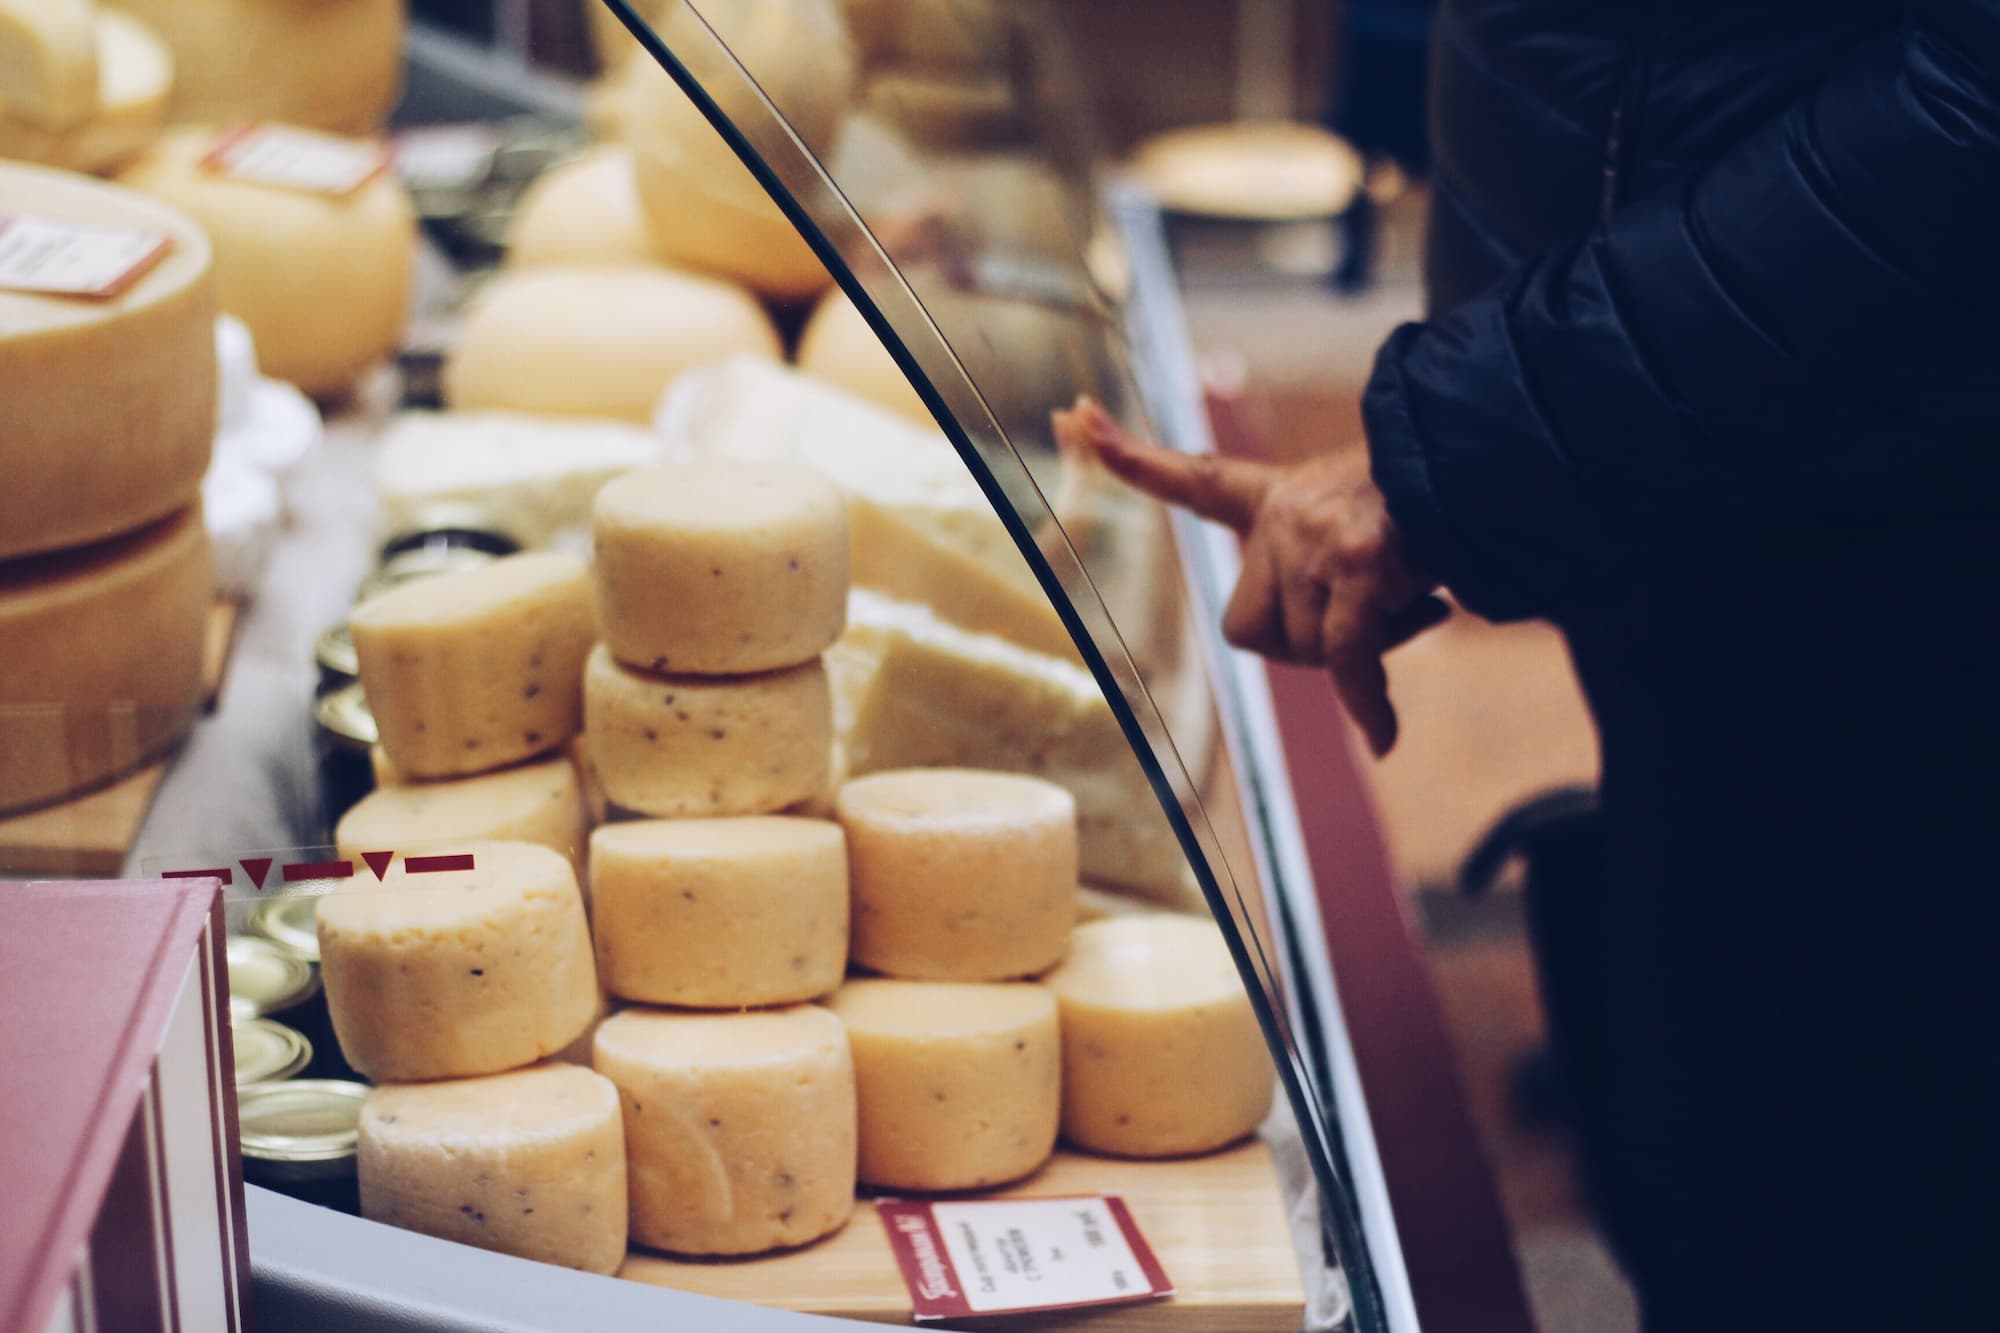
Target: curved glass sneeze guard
{"x": 969, "y": 236}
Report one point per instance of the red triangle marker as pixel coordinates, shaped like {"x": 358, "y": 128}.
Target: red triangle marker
{"x": 378, "y": 862}
{"x": 256, "y": 867}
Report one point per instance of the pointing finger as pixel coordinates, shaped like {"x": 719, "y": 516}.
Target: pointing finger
{"x": 1224, "y": 490}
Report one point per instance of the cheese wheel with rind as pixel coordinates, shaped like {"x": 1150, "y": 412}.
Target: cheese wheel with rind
{"x": 581, "y": 212}
{"x": 959, "y": 1085}
{"x": 739, "y": 1128}
{"x": 529, "y": 1163}
{"x": 110, "y": 403}
{"x": 135, "y": 74}
{"x": 837, "y": 346}
{"x": 48, "y": 61}
{"x": 539, "y": 802}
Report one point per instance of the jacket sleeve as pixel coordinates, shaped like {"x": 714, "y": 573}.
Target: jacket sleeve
{"x": 1806, "y": 319}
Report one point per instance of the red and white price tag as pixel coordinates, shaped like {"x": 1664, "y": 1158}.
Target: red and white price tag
{"x": 295, "y": 159}
{"x": 55, "y": 257}
{"x": 1019, "y": 1256}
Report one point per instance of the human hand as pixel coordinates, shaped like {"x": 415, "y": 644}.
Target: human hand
{"x": 1325, "y": 581}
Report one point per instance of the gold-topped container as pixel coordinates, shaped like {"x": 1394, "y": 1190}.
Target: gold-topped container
{"x": 267, "y": 1051}
{"x": 300, "y": 1130}
{"x": 266, "y": 979}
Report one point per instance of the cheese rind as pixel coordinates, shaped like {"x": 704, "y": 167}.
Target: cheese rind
{"x": 476, "y": 669}
{"x": 720, "y": 568}
{"x": 111, "y": 403}
{"x": 135, "y": 74}
{"x": 837, "y": 346}
{"x": 448, "y": 974}
{"x": 584, "y": 211}
{"x": 48, "y": 61}
{"x": 1162, "y": 1053}
{"x": 539, "y": 802}
{"x": 739, "y": 1128}
{"x": 960, "y": 1086}
{"x": 596, "y": 340}
{"x": 529, "y": 1163}
{"x": 707, "y": 745}
{"x": 720, "y": 913}
{"x": 959, "y": 875}
{"x": 103, "y": 657}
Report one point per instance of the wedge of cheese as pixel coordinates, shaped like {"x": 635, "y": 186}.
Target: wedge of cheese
{"x": 135, "y": 75}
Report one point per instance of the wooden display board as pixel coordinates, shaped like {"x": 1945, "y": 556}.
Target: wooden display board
{"x": 1217, "y": 1223}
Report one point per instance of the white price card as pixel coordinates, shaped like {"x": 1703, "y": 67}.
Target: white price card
{"x": 1019, "y": 1256}
{"x": 56, "y": 257}
{"x": 295, "y": 159}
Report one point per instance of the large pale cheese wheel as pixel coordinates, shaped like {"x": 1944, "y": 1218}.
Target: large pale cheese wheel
{"x": 326, "y": 64}
{"x": 451, "y": 973}
{"x": 720, "y": 913}
{"x": 723, "y": 224}
{"x": 707, "y": 745}
{"x": 579, "y": 340}
{"x": 1273, "y": 171}
{"x": 959, "y": 875}
{"x": 1162, "y": 1054}
{"x": 478, "y": 668}
{"x": 103, "y": 653}
{"x": 135, "y": 74}
{"x": 48, "y": 61}
{"x": 960, "y": 1084}
{"x": 322, "y": 281}
{"x": 581, "y": 212}
{"x": 529, "y": 1163}
{"x": 838, "y": 346}
{"x": 717, "y": 568}
{"x": 539, "y": 802}
{"x": 739, "y": 1128}
{"x": 110, "y": 404}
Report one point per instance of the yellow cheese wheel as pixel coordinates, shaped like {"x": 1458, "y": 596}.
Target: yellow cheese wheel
{"x": 1162, "y": 1054}
{"x": 322, "y": 281}
{"x": 715, "y": 568}
{"x": 960, "y": 1085}
{"x": 720, "y": 913}
{"x": 48, "y": 61}
{"x": 838, "y": 346}
{"x": 110, "y": 404}
{"x": 605, "y": 340}
{"x": 959, "y": 875}
{"x": 447, "y": 974}
{"x": 707, "y": 745}
{"x": 475, "y": 669}
{"x": 539, "y": 802}
{"x": 529, "y": 1163}
{"x": 327, "y": 64}
{"x": 739, "y": 1128}
{"x": 135, "y": 74}
{"x": 103, "y": 651}
{"x": 722, "y": 224}
{"x": 581, "y": 212}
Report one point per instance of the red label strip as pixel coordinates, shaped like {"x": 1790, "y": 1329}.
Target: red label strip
{"x": 425, "y": 865}
{"x": 298, "y": 870}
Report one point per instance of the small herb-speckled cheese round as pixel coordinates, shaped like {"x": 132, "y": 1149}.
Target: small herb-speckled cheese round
{"x": 720, "y": 913}
{"x": 958, "y": 874}
{"x": 453, "y": 973}
{"x": 739, "y": 1128}
{"x": 529, "y": 1163}
{"x": 475, "y": 669}
{"x": 539, "y": 802}
{"x": 720, "y": 568}
{"x": 1162, "y": 1054}
{"x": 960, "y": 1084}
{"x": 676, "y": 746}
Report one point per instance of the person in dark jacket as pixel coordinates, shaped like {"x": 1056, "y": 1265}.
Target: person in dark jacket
{"x": 1711, "y": 379}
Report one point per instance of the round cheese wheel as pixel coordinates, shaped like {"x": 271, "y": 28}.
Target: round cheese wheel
{"x": 720, "y": 913}
{"x": 48, "y": 61}
{"x": 581, "y": 212}
{"x": 326, "y": 64}
{"x": 596, "y": 340}
{"x": 1271, "y": 171}
{"x": 110, "y": 403}
{"x": 960, "y": 1084}
{"x": 135, "y": 74}
{"x": 539, "y": 802}
{"x": 103, "y": 657}
{"x": 714, "y": 568}
{"x": 838, "y": 346}
{"x": 1162, "y": 1054}
{"x": 446, "y": 974}
{"x": 958, "y": 874}
{"x": 322, "y": 281}
{"x": 722, "y": 223}
{"x": 739, "y": 1128}
{"x": 707, "y": 745}
{"x": 529, "y": 1163}
{"x": 476, "y": 669}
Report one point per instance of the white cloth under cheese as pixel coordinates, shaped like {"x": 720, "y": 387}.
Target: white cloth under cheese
{"x": 739, "y": 1128}
{"x": 960, "y": 1085}
{"x": 958, "y": 874}
{"x": 539, "y": 802}
{"x": 1162, "y": 1053}
{"x": 476, "y": 669}
{"x": 718, "y": 568}
{"x": 529, "y": 1163}
{"x": 135, "y": 74}
{"x": 581, "y": 212}
{"x": 720, "y": 913}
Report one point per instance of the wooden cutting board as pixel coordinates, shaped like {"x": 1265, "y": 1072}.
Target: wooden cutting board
{"x": 1217, "y": 1224}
